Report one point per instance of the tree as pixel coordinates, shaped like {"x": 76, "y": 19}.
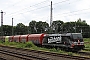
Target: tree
{"x": 7, "y": 30}
{"x": 32, "y": 27}
{"x": 80, "y": 26}
{"x": 57, "y": 26}
{"x": 69, "y": 27}
{"x": 38, "y": 27}
{"x": 42, "y": 27}
{"x": 83, "y": 27}
{"x": 20, "y": 29}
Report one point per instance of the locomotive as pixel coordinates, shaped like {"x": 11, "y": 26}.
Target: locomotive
{"x": 69, "y": 41}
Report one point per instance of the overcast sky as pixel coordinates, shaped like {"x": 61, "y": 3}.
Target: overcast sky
{"x": 24, "y": 11}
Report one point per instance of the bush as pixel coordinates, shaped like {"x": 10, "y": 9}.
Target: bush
{"x": 29, "y": 44}
{"x": 70, "y": 53}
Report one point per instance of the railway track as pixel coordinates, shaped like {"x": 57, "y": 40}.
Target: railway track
{"x": 25, "y": 54}
{"x": 84, "y": 53}
{"x": 86, "y": 49}
{"x": 21, "y": 56}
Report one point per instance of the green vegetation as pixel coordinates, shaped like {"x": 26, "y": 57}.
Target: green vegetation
{"x": 87, "y": 43}
{"x": 30, "y": 45}
{"x": 18, "y": 45}
{"x": 87, "y": 40}
{"x": 59, "y": 26}
{"x": 70, "y": 53}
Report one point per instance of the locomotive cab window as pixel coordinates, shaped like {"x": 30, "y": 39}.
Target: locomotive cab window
{"x": 75, "y": 37}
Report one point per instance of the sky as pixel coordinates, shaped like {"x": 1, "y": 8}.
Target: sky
{"x": 24, "y": 11}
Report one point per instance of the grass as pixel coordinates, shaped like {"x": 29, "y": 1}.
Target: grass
{"x": 17, "y": 44}
{"x": 87, "y": 43}
{"x": 30, "y": 45}
{"x": 86, "y": 39}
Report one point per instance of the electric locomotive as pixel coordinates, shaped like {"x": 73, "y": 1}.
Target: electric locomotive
{"x": 68, "y": 41}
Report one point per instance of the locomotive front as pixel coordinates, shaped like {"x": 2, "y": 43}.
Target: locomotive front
{"x": 77, "y": 41}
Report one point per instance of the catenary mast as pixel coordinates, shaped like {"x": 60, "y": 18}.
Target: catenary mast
{"x": 51, "y": 17}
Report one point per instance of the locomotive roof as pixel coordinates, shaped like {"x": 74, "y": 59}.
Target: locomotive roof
{"x": 64, "y": 34}
{"x": 68, "y": 34}
{"x": 53, "y": 34}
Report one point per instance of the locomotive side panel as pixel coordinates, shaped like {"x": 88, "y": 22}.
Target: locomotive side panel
{"x": 52, "y": 40}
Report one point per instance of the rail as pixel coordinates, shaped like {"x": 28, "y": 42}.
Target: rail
{"x": 36, "y": 55}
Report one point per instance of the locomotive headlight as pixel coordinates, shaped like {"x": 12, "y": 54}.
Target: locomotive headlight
{"x": 82, "y": 43}
{"x": 75, "y": 43}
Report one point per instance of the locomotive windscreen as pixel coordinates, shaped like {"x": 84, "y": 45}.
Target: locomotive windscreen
{"x": 77, "y": 36}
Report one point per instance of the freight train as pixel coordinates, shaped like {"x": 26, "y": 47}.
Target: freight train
{"x": 68, "y": 41}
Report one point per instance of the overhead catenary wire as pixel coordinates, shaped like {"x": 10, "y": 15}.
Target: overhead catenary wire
{"x": 13, "y": 4}
{"x": 53, "y": 4}
{"x": 74, "y": 11}
{"x": 68, "y": 12}
{"x": 43, "y": 6}
{"x": 48, "y": 6}
{"x": 37, "y": 8}
{"x": 60, "y": 2}
{"x": 30, "y": 6}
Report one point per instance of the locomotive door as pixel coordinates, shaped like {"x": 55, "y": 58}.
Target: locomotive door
{"x": 66, "y": 40}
